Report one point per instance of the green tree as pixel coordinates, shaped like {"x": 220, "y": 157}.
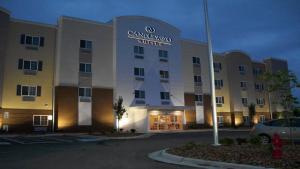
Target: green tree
{"x": 119, "y": 110}
{"x": 252, "y": 113}
{"x": 283, "y": 82}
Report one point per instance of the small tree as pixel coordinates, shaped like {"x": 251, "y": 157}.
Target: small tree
{"x": 252, "y": 113}
{"x": 283, "y": 82}
{"x": 119, "y": 110}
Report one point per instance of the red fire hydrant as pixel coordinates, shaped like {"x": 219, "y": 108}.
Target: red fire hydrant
{"x": 277, "y": 146}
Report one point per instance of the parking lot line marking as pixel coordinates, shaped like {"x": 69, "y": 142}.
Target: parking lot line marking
{"x": 12, "y": 140}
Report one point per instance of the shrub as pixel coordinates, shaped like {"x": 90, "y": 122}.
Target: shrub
{"x": 190, "y": 145}
{"x": 296, "y": 112}
{"x": 227, "y": 141}
{"x": 255, "y": 140}
{"x": 241, "y": 141}
{"x": 121, "y": 130}
{"x": 132, "y": 130}
{"x": 113, "y": 130}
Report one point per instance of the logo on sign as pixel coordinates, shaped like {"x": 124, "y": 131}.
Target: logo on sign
{"x": 150, "y": 29}
{"x": 149, "y": 37}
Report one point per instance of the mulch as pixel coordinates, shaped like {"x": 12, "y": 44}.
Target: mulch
{"x": 258, "y": 155}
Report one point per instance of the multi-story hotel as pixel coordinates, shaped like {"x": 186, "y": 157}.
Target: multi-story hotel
{"x": 70, "y": 74}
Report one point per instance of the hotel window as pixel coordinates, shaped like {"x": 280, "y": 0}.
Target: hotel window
{"x": 86, "y": 44}
{"x": 138, "y": 50}
{"x": 85, "y": 92}
{"x": 6, "y": 115}
{"x": 32, "y": 40}
{"x": 85, "y": 67}
{"x": 259, "y": 86}
{"x": 243, "y": 85}
{"x": 139, "y": 71}
{"x": 30, "y": 65}
{"x": 164, "y": 95}
{"x": 40, "y": 120}
{"x": 246, "y": 120}
{"x": 196, "y": 60}
{"x": 219, "y": 100}
{"x": 198, "y": 98}
{"x": 32, "y": 91}
{"x": 197, "y": 80}
{"x": 218, "y": 84}
{"x": 242, "y": 69}
{"x": 217, "y": 67}
{"x": 245, "y": 101}
{"x": 262, "y": 118}
{"x": 220, "y": 120}
{"x": 260, "y": 101}
{"x": 163, "y": 55}
{"x": 164, "y": 74}
{"x": 139, "y": 94}
{"x": 257, "y": 71}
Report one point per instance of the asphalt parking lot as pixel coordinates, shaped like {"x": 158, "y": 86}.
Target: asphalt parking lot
{"x": 28, "y": 140}
{"x": 108, "y": 154}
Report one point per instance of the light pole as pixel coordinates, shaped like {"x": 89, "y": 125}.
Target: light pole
{"x": 212, "y": 76}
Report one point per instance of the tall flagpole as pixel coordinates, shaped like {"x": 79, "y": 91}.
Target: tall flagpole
{"x": 212, "y": 76}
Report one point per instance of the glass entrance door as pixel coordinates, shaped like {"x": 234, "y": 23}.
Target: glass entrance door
{"x": 165, "y": 122}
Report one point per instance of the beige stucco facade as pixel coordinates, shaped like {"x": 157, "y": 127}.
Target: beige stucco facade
{"x": 67, "y": 54}
{"x": 14, "y": 77}
{"x": 114, "y": 60}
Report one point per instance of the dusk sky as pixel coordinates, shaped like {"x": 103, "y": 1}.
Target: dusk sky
{"x": 261, "y": 28}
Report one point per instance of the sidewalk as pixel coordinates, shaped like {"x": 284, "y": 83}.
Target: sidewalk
{"x": 163, "y": 156}
{"x": 202, "y": 130}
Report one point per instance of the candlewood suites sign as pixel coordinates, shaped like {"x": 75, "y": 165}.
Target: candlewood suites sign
{"x": 149, "y": 37}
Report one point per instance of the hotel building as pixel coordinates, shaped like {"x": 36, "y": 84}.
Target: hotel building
{"x": 70, "y": 74}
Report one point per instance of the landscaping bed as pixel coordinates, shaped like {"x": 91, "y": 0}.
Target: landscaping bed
{"x": 246, "y": 153}
{"x": 124, "y": 134}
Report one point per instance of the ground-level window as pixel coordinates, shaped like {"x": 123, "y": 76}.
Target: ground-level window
{"x": 40, "y": 120}
{"x": 220, "y": 120}
{"x": 6, "y": 115}
{"x": 262, "y": 118}
{"x": 246, "y": 120}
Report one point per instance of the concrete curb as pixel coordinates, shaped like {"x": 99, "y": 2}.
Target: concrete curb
{"x": 104, "y": 138}
{"x": 165, "y": 157}
{"x": 132, "y": 137}
{"x": 202, "y": 130}
{"x": 4, "y": 143}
